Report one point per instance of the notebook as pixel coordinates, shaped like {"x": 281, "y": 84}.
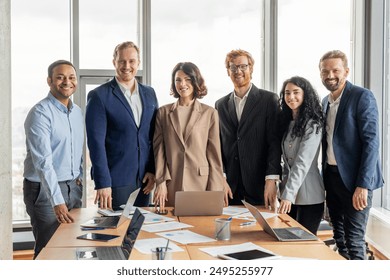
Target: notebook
{"x": 115, "y": 252}
{"x": 114, "y": 221}
{"x": 281, "y": 234}
{"x": 198, "y": 203}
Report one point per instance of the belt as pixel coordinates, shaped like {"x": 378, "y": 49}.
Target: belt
{"x": 60, "y": 182}
{"x": 332, "y": 168}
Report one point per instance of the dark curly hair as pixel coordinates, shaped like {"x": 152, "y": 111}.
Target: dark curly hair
{"x": 310, "y": 110}
{"x": 197, "y": 81}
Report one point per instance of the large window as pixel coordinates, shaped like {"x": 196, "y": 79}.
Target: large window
{"x": 203, "y": 32}
{"x": 103, "y": 25}
{"x": 39, "y": 37}
{"x": 306, "y": 30}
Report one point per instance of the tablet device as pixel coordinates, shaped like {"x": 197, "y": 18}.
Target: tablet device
{"x": 97, "y": 236}
{"x": 248, "y": 255}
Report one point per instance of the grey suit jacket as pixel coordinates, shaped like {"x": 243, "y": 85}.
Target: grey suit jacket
{"x": 302, "y": 183}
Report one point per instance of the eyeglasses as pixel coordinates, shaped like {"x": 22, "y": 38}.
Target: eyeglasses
{"x": 234, "y": 67}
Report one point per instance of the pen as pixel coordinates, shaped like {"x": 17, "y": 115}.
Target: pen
{"x": 247, "y": 223}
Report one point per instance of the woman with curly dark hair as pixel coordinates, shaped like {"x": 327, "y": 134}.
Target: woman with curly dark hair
{"x": 302, "y": 193}
{"x": 186, "y": 144}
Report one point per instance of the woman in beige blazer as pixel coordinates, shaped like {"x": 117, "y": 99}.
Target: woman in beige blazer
{"x": 186, "y": 140}
{"x": 302, "y": 193}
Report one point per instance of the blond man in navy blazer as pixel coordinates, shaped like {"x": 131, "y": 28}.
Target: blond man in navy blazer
{"x": 120, "y": 119}
{"x": 351, "y": 161}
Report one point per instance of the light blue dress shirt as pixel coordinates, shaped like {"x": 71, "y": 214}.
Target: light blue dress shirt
{"x": 54, "y": 142}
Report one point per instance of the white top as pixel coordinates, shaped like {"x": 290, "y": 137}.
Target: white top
{"x": 330, "y": 121}
{"x": 134, "y": 100}
{"x": 239, "y": 103}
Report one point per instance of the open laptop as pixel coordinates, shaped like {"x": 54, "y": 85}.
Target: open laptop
{"x": 114, "y": 221}
{"x": 198, "y": 203}
{"x": 281, "y": 234}
{"x": 115, "y": 252}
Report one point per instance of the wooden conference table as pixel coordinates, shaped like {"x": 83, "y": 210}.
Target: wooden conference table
{"x": 63, "y": 244}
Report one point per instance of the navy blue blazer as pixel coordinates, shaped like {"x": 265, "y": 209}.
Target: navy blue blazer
{"x": 356, "y": 139}
{"x": 121, "y": 153}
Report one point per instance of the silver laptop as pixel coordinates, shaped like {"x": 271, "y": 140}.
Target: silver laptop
{"x": 114, "y": 221}
{"x": 115, "y": 252}
{"x": 198, "y": 203}
{"x": 281, "y": 234}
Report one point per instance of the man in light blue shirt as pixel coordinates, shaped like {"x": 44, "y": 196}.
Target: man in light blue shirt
{"x": 54, "y": 130}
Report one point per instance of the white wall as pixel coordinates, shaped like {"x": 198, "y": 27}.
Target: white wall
{"x": 5, "y": 130}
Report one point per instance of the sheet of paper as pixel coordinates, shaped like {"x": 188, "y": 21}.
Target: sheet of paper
{"x": 243, "y": 213}
{"x": 156, "y": 227}
{"x": 145, "y": 246}
{"x": 268, "y": 215}
{"x": 185, "y": 237}
{"x": 220, "y": 250}
{"x": 151, "y": 218}
{"x": 234, "y": 211}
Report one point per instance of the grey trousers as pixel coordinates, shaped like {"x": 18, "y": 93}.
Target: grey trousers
{"x": 43, "y": 219}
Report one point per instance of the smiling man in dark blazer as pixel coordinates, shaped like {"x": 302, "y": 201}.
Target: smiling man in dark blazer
{"x": 251, "y": 151}
{"x": 350, "y": 151}
{"x": 120, "y": 118}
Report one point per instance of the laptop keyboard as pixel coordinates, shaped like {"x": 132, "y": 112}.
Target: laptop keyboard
{"x": 285, "y": 234}
{"x": 110, "y": 253}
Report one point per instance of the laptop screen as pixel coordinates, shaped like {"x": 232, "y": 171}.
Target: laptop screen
{"x": 132, "y": 232}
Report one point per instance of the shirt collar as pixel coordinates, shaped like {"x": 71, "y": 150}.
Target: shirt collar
{"x": 245, "y": 95}
{"x": 125, "y": 89}
{"x": 59, "y": 105}
{"x": 330, "y": 98}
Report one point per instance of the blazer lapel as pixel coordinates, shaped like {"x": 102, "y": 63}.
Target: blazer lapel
{"x": 343, "y": 103}
{"x": 232, "y": 110}
{"x": 144, "y": 103}
{"x": 250, "y": 104}
{"x": 174, "y": 118}
{"x": 195, "y": 116}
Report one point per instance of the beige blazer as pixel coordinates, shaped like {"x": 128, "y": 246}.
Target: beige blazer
{"x": 192, "y": 162}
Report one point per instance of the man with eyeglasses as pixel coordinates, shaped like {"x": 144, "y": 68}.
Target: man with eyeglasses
{"x": 251, "y": 149}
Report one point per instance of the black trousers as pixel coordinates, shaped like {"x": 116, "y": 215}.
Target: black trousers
{"x": 309, "y": 216}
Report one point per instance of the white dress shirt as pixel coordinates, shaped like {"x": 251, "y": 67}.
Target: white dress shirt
{"x": 330, "y": 122}
{"x": 134, "y": 100}
{"x": 239, "y": 103}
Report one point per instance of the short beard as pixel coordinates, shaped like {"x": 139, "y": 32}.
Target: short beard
{"x": 332, "y": 88}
